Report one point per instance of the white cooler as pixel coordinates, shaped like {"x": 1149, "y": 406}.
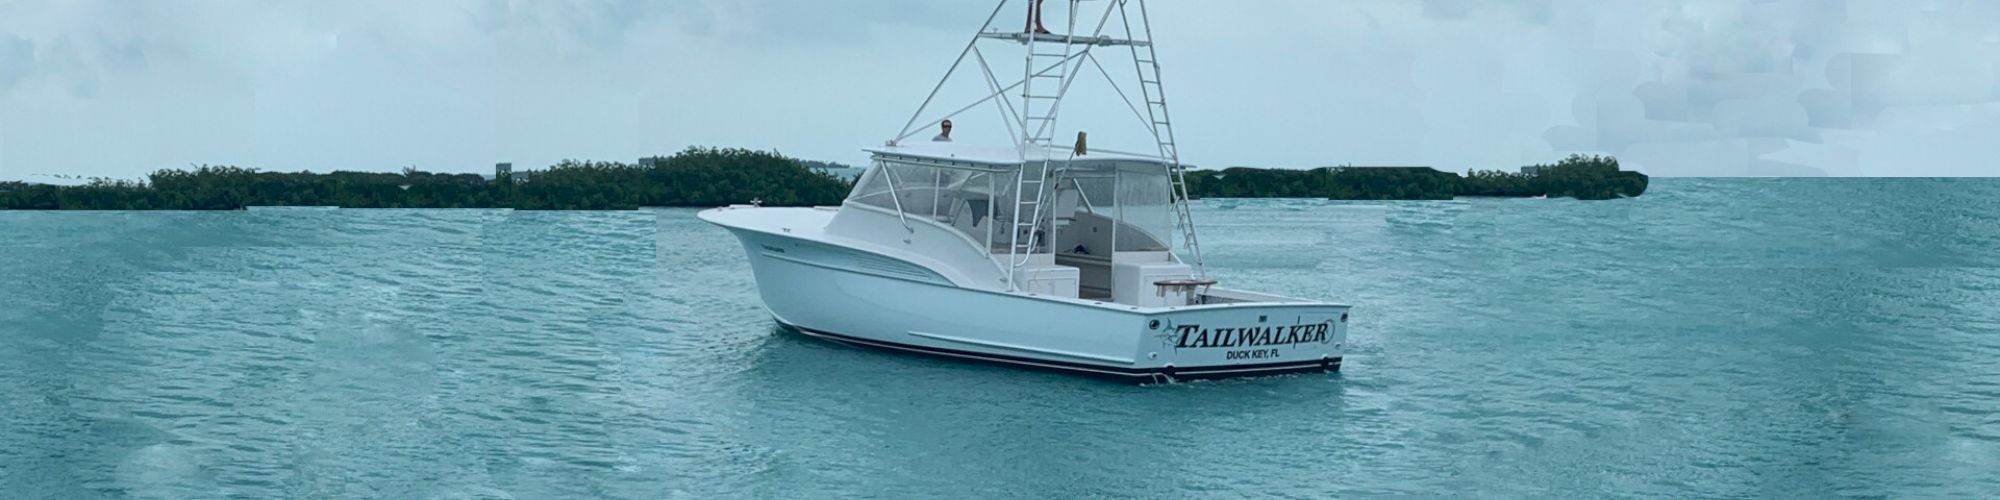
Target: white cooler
{"x": 1132, "y": 283}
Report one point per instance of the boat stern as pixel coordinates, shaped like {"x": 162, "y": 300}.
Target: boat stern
{"x": 1236, "y": 340}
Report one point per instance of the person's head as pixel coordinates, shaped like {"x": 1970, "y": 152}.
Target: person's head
{"x": 946, "y": 128}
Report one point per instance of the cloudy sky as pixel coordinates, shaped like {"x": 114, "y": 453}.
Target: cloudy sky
{"x": 1672, "y": 87}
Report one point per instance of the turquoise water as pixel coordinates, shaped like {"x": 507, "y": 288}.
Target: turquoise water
{"x": 1714, "y": 338}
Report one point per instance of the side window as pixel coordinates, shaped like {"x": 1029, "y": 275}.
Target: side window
{"x": 873, "y": 188}
{"x": 955, "y": 198}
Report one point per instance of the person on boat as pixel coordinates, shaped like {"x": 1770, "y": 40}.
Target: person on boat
{"x": 1035, "y": 18}
{"x": 944, "y": 135}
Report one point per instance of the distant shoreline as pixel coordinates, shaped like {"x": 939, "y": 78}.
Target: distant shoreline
{"x": 1578, "y": 176}
{"x": 696, "y": 177}
{"x": 711, "y": 177}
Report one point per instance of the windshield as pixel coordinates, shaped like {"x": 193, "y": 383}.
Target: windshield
{"x": 956, "y": 198}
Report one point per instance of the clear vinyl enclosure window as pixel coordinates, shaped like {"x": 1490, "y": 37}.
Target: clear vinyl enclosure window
{"x": 1124, "y": 206}
{"x": 1137, "y": 196}
{"x": 962, "y": 199}
{"x": 1145, "y": 204}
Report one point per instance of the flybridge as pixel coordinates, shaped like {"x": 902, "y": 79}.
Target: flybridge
{"x": 1031, "y": 105}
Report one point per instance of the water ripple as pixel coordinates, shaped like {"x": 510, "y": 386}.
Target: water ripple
{"x": 1714, "y": 338}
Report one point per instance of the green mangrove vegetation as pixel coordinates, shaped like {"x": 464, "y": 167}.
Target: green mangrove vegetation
{"x": 1583, "y": 177}
{"x": 697, "y": 177}
{"x": 708, "y": 177}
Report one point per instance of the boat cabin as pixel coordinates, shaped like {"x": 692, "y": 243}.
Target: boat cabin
{"x": 1095, "y": 226}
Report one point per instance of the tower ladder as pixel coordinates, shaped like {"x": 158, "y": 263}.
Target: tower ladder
{"x": 1147, "y": 63}
{"x": 1038, "y": 127}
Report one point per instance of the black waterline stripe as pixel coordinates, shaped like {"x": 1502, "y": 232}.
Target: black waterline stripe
{"x": 1248, "y": 369}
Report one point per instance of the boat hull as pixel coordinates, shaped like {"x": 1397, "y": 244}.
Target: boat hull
{"x": 868, "y": 299}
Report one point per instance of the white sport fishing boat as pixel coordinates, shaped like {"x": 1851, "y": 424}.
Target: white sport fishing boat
{"x": 1035, "y": 254}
